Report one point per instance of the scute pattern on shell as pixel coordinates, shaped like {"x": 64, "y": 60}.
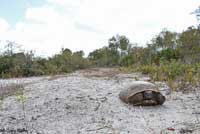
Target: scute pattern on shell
{"x": 136, "y": 87}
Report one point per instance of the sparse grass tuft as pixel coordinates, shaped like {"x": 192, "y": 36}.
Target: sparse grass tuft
{"x": 10, "y": 89}
{"x": 177, "y": 75}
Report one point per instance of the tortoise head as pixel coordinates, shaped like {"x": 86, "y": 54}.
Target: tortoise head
{"x": 148, "y": 95}
{"x": 160, "y": 98}
{"x": 153, "y": 96}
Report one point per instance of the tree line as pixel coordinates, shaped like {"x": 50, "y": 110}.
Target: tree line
{"x": 164, "y": 48}
{"x": 25, "y": 64}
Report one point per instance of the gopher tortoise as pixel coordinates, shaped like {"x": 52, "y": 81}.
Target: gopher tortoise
{"x": 141, "y": 93}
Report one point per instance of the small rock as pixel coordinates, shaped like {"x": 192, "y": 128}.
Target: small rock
{"x": 170, "y": 129}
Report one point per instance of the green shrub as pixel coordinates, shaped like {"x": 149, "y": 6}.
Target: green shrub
{"x": 174, "y": 73}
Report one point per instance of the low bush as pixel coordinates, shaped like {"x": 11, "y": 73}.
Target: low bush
{"x": 174, "y": 73}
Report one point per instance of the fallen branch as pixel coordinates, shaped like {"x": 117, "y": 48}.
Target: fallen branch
{"x": 97, "y": 107}
{"x": 98, "y": 128}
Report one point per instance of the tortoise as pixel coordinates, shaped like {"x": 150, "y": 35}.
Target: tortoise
{"x": 141, "y": 93}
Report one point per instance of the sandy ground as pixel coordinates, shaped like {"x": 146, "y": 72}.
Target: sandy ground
{"x": 87, "y": 102}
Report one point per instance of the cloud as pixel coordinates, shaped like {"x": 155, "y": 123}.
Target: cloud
{"x": 4, "y": 26}
{"x": 87, "y": 24}
{"x": 137, "y": 19}
{"x": 45, "y": 31}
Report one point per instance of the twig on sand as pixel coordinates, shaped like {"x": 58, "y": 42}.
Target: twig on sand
{"x": 97, "y": 107}
{"x": 103, "y": 99}
{"x": 172, "y": 126}
{"x": 99, "y": 128}
{"x": 194, "y": 127}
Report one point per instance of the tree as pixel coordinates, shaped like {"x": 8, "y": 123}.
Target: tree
{"x": 165, "y": 40}
{"x": 189, "y": 45}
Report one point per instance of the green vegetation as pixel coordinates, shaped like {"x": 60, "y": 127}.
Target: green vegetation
{"x": 20, "y": 97}
{"x": 176, "y": 74}
{"x": 21, "y": 64}
{"x": 169, "y": 56}
{"x": 10, "y": 89}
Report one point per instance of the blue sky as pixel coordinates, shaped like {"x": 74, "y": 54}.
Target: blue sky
{"x": 88, "y": 24}
{"x": 14, "y": 10}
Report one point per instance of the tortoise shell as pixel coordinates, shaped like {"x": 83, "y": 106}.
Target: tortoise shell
{"x": 142, "y": 93}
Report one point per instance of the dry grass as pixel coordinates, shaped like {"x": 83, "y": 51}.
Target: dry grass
{"x": 9, "y": 90}
{"x": 55, "y": 77}
{"x": 99, "y": 73}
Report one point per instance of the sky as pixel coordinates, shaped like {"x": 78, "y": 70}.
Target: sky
{"x": 46, "y": 26}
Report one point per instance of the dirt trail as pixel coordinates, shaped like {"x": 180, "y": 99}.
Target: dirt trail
{"x": 86, "y": 102}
